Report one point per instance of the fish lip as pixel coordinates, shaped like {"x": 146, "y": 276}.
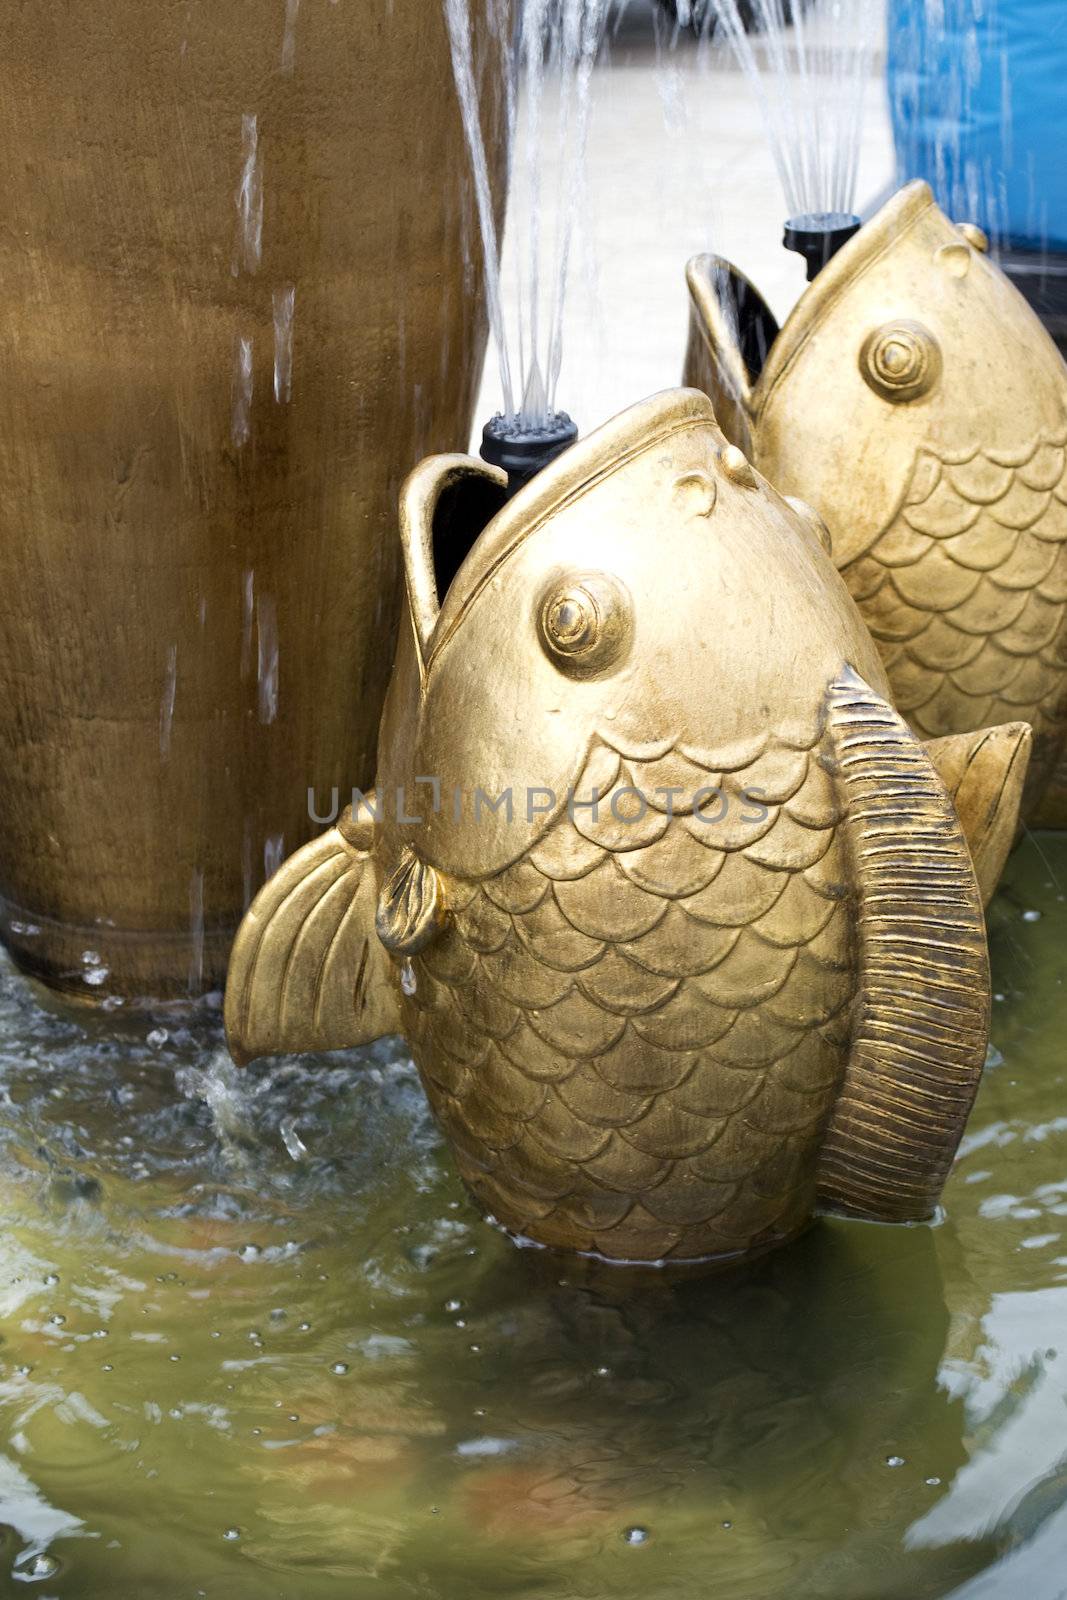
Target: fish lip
{"x": 640, "y": 428}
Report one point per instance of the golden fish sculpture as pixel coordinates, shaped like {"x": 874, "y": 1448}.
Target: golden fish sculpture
{"x": 671, "y": 905}
{"x": 914, "y": 399}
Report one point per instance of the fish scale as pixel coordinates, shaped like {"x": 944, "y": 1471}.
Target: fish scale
{"x": 604, "y": 1122}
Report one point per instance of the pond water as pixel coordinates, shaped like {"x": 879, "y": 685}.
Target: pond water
{"x": 255, "y": 1342}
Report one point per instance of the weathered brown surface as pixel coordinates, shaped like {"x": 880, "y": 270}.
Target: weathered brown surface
{"x": 136, "y": 524}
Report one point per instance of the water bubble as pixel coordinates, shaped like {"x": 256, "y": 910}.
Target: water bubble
{"x": 57, "y": 1321}
{"x": 232, "y": 1533}
{"x": 278, "y": 1314}
{"x": 603, "y": 1372}
{"x": 453, "y": 1305}
{"x": 1031, "y": 916}
{"x": 32, "y": 1569}
{"x": 175, "y": 1358}
{"x": 727, "y": 1525}
{"x": 304, "y": 1327}
{"x": 249, "y": 1252}
{"x": 106, "y": 1367}
{"x": 52, "y": 1279}
{"x": 635, "y": 1535}
{"x": 158, "y": 1037}
{"x": 339, "y": 1368}
{"x": 23, "y": 1372}
{"x": 894, "y": 1461}
{"x": 933, "y": 1483}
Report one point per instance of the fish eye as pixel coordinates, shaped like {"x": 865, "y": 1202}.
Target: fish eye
{"x": 900, "y": 360}
{"x": 585, "y": 623}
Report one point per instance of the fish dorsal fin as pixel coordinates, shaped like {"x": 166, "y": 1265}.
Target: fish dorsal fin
{"x": 731, "y": 330}
{"x": 307, "y": 971}
{"x": 922, "y": 1019}
{"x": 984, "y": 774}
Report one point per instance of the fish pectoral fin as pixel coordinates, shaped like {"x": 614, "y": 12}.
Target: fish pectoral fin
{"x": 731, "y": 330}
{"x": 984, "y": 773}
{"x": 921, "y": 1021}
{"x": 307, "y": 970}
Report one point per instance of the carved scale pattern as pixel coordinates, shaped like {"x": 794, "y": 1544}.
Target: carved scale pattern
{"x": 966, "y": 593}
{"x": 635, "y": 1035}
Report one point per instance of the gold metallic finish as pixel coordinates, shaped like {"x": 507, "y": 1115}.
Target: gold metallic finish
{"x": 238, "y": 307}
{"x": 653, "y": 1010}
{"x": 737, "y": 467}
{"x": 913, "y": 398}
{"x": 975, "y": 236}
{"x": 984, "y": 774}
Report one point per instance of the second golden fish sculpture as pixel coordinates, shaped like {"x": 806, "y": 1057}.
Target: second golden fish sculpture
{"x": 914, "y": 399}
{"x": 672, "y": 907}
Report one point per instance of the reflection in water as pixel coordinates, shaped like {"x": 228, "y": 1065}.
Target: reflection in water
{"x": 256, "y": 1342}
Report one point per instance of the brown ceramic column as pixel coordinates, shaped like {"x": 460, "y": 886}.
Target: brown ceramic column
{"x": 238, "y": 301}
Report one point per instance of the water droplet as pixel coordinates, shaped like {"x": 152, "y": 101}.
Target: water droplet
{"x": 407, "y": 978}
{"x": 894, "y": 1461}
{"x": 933, "y": 1483}
{"x": 635, "y": 1535}
{"x": 32, "y": 1569}
{"x": 339, "y": 1368}
{"x": 291, "y": 1139}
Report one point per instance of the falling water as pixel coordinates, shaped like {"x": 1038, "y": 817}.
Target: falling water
{"x": 288, "y": 61}
{"x": 241, "y": 420}
{"x": 809, "y": 73}
{"x": 267, "y": 672}
{"x": 248, "y": 245}
{"x": 545, "y": 59}
{"x": 284, "y": 306}
{"x": 166, "y": 710}
{"x": 953, "y": 115}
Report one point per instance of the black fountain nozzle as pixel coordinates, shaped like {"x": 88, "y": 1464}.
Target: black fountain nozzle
{"x": 522, "y": 450}
{"x": 818, "y": 235}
